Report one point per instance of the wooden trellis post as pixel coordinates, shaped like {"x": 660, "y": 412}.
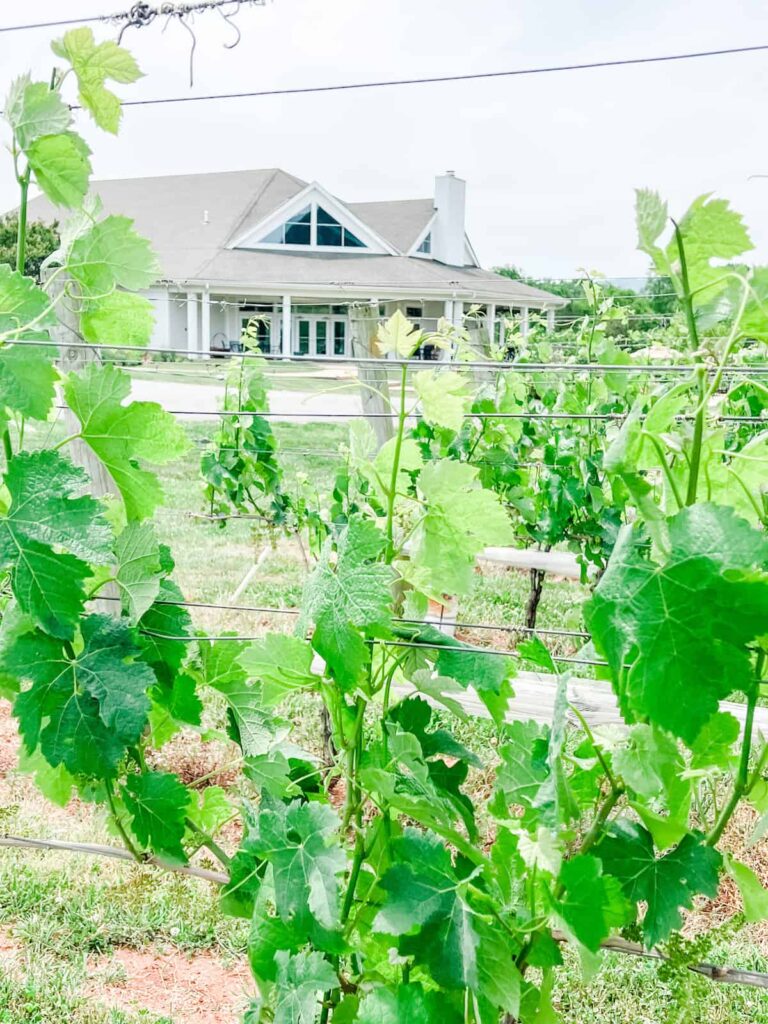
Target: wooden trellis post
{"x": 374, "y": 380}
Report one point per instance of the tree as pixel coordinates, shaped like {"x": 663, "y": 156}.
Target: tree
{"x": 42, "y": 240}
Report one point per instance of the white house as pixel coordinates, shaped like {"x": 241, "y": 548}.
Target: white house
{"x": 264, "y": 246}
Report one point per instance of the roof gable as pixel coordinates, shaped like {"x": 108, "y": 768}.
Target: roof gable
{"x": 313, "y": 197}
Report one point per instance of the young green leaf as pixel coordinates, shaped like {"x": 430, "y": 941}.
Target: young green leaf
{"x": 27, "y": 380}
{"x": 399, "y": 336}
{"x": 593, "y": 904}
{"x": 121, "y": 435}
{"x": 753, "y": 893}
{"x": 444, "y": 397}
{"x": 300, "y": 981}
{"x": 406, "y": 1004}
{"x": 667, "y": 883}
{"x": 350, "y": 596}
{"x": 62, "y": 167}
{"x": 33, "y": 109}
{"x": 281, "y": 664}
{"x": 138, "y": 568}
{"x": 119, "y": 318}
{"x": 22, "y": 303}
{"x": 111, "y": 255}
{"x": 461, "y": 519}
{"x": 157, "y": 803}
{"x": 94, "y": 63}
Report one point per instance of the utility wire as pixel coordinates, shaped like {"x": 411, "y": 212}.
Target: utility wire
{"x": 439, "y": 79}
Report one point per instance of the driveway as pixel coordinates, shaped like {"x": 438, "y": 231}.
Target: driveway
{"x": 200, "y": 402}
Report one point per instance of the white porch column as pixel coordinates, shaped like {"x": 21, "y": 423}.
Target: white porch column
{"x": 490, "y": 322}
{"x": 205, "y": 338}
{"x": 448, "y": 310}
{"x": 458, "y": 314}
{"x": 193, "y": 337}
{"x": 524, "y": 323}
{"x": 286, "y": 327}
{"x": 550, "y": 320}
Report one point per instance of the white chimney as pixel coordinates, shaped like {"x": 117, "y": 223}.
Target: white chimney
{"x": 448, "y": 231}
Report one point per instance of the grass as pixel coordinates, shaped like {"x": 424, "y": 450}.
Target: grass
{"x": 60, "y": 913}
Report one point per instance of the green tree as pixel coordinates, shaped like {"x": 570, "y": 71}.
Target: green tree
{"x": 42, "y": 240}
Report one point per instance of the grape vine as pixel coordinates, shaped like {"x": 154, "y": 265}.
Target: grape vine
{"x": 399, "y": 903}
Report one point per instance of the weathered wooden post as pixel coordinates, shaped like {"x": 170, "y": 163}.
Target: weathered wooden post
{"x": 66, "y": 335}
{"x": 374, "y": 380}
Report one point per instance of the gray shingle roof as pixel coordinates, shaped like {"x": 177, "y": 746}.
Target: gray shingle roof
{"x": 191, "y": 220}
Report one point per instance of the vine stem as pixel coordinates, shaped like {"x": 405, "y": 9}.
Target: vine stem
{"x": 120, "y": 827}
{"x": 743, "y": 783}
{"x": 693, "y": 337}
{"x": 210, "y": 843}
{"x": 392, "y": 493}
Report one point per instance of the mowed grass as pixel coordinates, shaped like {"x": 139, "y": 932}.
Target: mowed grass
{"x": 62, "y": 915}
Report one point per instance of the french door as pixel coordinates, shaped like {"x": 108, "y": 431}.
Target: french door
{"x": 319, "y": 336}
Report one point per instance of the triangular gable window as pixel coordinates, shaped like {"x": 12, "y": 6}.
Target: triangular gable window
{"x": 313, "y": 227}
{"x": 426, "y": 245}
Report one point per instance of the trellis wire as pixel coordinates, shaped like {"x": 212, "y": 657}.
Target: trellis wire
{"x": 447, "y": 364}
{"x": 266, "y": 610}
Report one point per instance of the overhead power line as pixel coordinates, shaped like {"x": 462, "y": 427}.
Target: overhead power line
{"x": 440, "y": 79}
{"x": 139, "y": 15}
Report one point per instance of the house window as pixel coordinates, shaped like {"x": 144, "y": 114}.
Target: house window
{"x": 312, "y": 227}
{"x": 303, "y": 337}
{"x": 426, "y": 245}
{"x": 339, "y": 338}
{"x": 413, "y": 311}
{"x": 321, "y": 337}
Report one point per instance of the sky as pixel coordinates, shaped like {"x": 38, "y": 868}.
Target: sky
{"x": 550, "y": 161}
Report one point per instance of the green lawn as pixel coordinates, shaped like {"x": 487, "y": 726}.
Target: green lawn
{"x": 61, "y": 916}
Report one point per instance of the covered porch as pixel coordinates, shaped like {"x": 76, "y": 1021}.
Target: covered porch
{"x": 208, "y": 324}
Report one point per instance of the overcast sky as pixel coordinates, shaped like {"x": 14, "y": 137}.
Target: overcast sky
{"x": 550, "y": 161}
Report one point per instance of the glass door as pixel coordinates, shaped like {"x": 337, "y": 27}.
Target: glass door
{"x": 256, "y": 329}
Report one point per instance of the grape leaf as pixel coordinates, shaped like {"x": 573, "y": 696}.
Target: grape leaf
{"x": 157, "y": 803}
{"x": 675, "y": 635}
{"x": 120, "y": 435}
{"x": 94, "y": 63}
{"x": 753, "y": 893}
{"x": 523, "y": 769}
{"x": 651, "y": 218}
{"x": 420, "y": 886}
{"x": 119, "y": 318}
{"x": 555, "y": 801}
{"x": 268, "y": 935}
{"x": 281, "y": 664}
{"x": 444, "y": 397}
{"x": 461, "y": 519}
{"x": 300, "y": 841}
{"x": 62, "y": 167}
{"x": 398, "y": 336}
{"x": 163, "y": 628}
{"x": 138, "y": 568}
{"x": 83, "y": 709}
{"x": 44, "y": 512}
{"x": 27, "y": 380}
{"x": 651, "y": 764}
{"x": 301, "y": 978}
{"x": 666, "y": 883}
{"x": 33, "y": 109}
{"x": 21, "y": 302}
{"x": 593, "y": 904}
{"x": 111, "y": 255}
{"x": 408, "y": 1004}
{"x": 352, "y": 595}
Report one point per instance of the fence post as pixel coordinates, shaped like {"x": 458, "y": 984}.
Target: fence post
{"x": 374, "y": 380}
{"x": 71, "y": 357}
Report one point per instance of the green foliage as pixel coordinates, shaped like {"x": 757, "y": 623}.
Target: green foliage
{"x": 402, "y": 904}
{"x": 42, "y": 241}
